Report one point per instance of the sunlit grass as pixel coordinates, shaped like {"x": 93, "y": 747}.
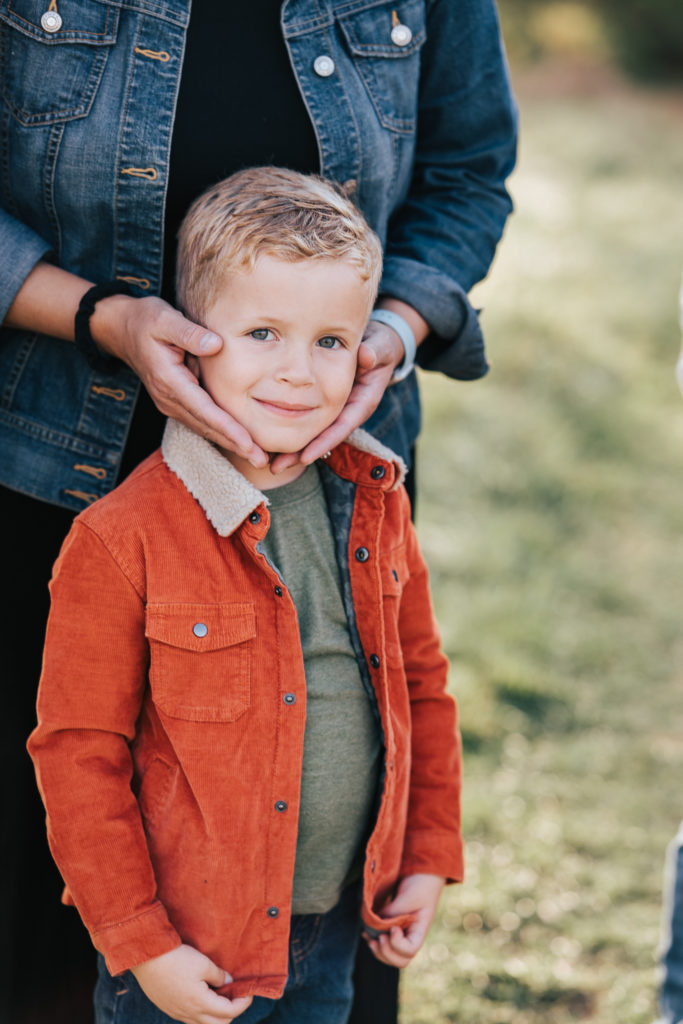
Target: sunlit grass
{"x": 551, "y": 512}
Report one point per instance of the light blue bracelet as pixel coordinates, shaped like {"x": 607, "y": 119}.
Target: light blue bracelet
{"x": 405, "y": 333}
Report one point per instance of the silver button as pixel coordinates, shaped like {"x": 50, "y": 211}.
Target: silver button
{"x": 323, "y": 66}
{"x": 401, "y": 35}
{"x": 51, "y": 21}
{"x": 200, "y": 629}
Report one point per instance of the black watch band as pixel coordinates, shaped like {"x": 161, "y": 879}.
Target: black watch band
{"x": 83, "y": 339}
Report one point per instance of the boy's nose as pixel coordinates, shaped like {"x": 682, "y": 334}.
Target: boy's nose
{"x": 296, "y": 369}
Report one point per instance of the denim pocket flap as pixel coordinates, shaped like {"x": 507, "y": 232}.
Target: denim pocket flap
{"x": 368, "y": 32}
{"x": 390, "y": 70}
{"x": 93, "y": 22}
{"x": 53, "y": 75}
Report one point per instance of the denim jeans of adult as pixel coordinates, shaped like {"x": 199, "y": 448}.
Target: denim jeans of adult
{"x": 671, "y": 992}
{"x": 322, "y": 950}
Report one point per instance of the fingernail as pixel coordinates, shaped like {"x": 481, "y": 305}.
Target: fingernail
{"x": 228, "y": 978}
{"x": 208, "y": 341}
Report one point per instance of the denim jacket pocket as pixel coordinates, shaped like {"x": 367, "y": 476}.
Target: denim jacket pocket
{"x": 200, "y": 659}
{"x": 389, "y": 71}
{"x": 49, "y": 77}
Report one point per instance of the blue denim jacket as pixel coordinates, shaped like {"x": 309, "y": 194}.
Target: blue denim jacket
{"x": 426, "y": 130}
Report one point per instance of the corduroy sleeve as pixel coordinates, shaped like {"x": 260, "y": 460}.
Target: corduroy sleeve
{"x": 433, "y": 841}
{"x": 91, "y": 689}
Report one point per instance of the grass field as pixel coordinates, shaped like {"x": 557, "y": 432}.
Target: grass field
{"x": 551, "y": 512}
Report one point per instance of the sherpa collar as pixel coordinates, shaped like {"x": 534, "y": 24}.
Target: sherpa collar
{"x": 225, "y": 495}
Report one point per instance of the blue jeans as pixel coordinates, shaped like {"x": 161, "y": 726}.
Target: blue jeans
{"x": 671, "y": 992}
{"x": 322, "y": 949}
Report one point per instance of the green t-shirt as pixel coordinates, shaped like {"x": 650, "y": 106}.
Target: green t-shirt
{"x": 341, "y": 743}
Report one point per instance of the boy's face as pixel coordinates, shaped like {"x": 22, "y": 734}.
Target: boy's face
{"x": 291, "y": 333}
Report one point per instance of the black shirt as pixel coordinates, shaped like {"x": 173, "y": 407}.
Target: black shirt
{"x": 238, "y": 106}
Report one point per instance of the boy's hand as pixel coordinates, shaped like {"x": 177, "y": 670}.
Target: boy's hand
{"x": 181, "y": 984}
{"x": 418, "y": 895}
{"x": 154, "y": 339}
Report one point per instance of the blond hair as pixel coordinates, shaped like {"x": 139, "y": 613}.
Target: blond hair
{"x": 268, "y": 211}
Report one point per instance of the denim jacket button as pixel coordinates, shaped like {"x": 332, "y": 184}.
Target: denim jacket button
{"x": 401, "y": 35}
{"x": 200, "y": 629}
{"x": 323, "y": 66}
{"x": 51, "y": 21}
{"x": 273, "y": 912}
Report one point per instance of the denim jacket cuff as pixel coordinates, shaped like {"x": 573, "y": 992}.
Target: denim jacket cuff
{"x": 20, "y": 250}
{"x": 455, "y": 345}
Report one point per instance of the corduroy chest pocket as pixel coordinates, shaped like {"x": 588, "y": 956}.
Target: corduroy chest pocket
{"x": 52, "y": 74}
{"x": 200, "y": 659}
{"x": 384, "y": 41}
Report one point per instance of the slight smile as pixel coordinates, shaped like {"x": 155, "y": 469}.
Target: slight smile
{"x": 284, "y": 408}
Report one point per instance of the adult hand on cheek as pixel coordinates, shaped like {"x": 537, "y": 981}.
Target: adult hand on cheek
{"x": 380, "y": 352}
{"x": 150, "y": 336}
{"x": 155, "y": 340}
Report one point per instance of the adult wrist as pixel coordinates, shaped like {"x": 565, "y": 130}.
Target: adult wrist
{"x": 85, "y": 343}
{"x": 405, "y": 333}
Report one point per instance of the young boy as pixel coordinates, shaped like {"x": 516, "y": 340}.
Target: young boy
{"x": 244, "y": 743}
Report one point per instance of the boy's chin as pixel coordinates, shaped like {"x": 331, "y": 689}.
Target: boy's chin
{"x": 276, "y": 446}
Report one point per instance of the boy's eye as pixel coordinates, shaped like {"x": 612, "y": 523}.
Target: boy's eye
{"x": 260, "y": 334}
{"x": 329, "y": 341}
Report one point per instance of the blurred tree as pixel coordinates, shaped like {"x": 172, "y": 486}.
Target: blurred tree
{"x": 644, "y": 36}
{"x": 647, "y": 36}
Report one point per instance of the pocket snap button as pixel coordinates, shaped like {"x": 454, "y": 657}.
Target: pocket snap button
{"x": 51, "y": 21}
{"x": 323, "y": 66}
{"x": 401, "y": 35}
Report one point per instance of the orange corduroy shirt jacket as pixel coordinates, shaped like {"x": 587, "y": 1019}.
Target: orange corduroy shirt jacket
{"x": 172, "y": 707}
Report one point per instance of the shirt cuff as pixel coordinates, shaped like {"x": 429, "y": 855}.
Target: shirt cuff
{"x": 455, "y": 345}
{"x": 429, "y": 854}
{"x": 140, "y": 938}
{"x": 20, "y": 250}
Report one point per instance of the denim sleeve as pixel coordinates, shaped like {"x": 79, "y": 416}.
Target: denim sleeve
{"x": 443, "y": 237}
{"x": 20, "y": 250}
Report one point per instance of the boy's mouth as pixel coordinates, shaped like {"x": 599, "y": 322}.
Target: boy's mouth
{"x": 284, "y": 408}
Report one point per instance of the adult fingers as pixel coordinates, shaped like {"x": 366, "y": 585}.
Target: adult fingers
{"x": 381, "y": 345}
{"x": 178, "y": 330}
{"x": 194, "y": 407}
{"x": 363, "y": 400}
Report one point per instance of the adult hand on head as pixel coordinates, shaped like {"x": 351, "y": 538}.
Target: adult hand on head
{"x": 380, "y": 352}
{"x": 154, "y": 339}
{"x": 181, "y": 984}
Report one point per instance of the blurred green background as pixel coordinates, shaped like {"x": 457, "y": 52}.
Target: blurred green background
{"x": 550, "y": 511}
